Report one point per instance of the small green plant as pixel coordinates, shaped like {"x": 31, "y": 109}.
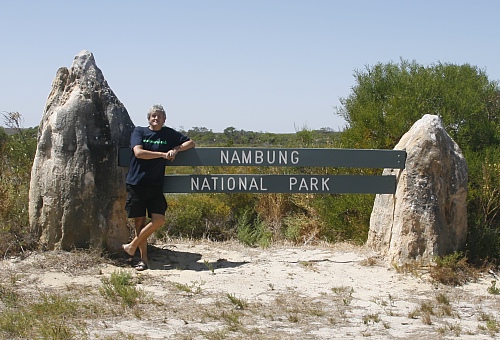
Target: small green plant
{"x": 386, "y": 305}
{"x": 239, "y": 303}
{"x": 456, "y": 329}
{"x": 308, "y": 265}
{"x": 412, "y": 267}
{"x": 342, "y": 289}
{"x": 316, "y": 311}
{"x": 209, "y": 266}
{"x": 452, "y": 270}
{"x": 368, "y": 262}
{"x": 442, "y": 299}
{"x": 444, "y": 307}
{"x": 425, "y": 311}
{"x": 253, "y": 231}
{"x": 493, "y": 289}
{"x": 426, "y": 318}
{"x": 344, "y": 293}
{"x": 426, "y": 307}
{"x": 8, "y": 296}
{"x": 121, "y": 287}
{"x": 374, "y": 318}
{"x": 194, "y": 288}
{"x": 232, "y": 318}
{"x": 492, "y": 325}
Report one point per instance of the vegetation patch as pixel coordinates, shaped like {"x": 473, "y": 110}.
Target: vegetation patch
{"x": 453, "y": 270}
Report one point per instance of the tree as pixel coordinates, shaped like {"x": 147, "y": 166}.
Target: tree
{"x": 389, "y": 98}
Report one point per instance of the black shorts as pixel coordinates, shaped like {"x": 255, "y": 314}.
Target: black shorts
{"x": 141, "y": 199}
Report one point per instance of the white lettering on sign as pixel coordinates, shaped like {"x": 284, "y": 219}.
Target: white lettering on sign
{"x": 269, "y": 157}
{"x": 215, "y": 183}
{"x": 309, "y": 184}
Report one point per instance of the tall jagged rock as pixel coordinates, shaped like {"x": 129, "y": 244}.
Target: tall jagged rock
{"x": 427, "y": 216}
{"x": 77, "y": 191}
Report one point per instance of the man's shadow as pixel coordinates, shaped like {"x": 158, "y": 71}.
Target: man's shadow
{"x": 166, "y": 258}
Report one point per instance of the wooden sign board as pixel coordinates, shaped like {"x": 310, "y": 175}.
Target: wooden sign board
{"x": 281, "y": 157}
{"x": 300, "y": 184}
{"x": 341, "y": 158}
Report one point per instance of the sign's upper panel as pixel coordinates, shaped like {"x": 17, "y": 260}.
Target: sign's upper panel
{"x": 352, "y": 158}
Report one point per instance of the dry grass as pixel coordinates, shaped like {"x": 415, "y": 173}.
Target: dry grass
{"x": 123, "y": 304}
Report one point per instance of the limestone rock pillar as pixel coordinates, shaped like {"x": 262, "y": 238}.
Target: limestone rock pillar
{"x": 77, "y": 191}
{"x": 427, "y": 216}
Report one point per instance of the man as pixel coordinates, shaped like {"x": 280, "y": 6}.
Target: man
{"x": 151, "y": 146}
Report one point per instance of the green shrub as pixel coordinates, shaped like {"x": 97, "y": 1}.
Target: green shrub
{"x": 197, "y": 216}
{"x": 239, "y": 203}
{"x": 344, "y": 217}
{"x": 272, "y": 208}
{"x": 251, "y": 230}
{"x": 483, "y": 205}
{"x": 16, "y": 158}
{"x": 453, "y": 270}
{"x": 300, "y": 227}
{"x": 121, "y": 287}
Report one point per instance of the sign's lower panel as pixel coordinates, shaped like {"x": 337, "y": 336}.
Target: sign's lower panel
{"x": 318, "y": 184}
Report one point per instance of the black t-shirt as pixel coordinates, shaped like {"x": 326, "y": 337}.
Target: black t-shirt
{"x": 150, "y": 172}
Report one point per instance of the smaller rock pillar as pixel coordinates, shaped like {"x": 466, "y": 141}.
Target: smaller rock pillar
{"x": 427, "y": 216}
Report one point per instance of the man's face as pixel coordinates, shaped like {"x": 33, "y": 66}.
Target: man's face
{"x": 156, "y": 120}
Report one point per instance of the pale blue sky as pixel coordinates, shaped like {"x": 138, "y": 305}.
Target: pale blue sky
{"x": 271, "y": 66}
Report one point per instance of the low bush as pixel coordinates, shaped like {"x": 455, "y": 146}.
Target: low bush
{"x": 197, "y": 216}
{"x": 16, "y": 158}
{"x": 344, "y": 217}
{"x": 453, "y": 270}
{"x": 253, "y": 231}
{"x": 120, "y": 287}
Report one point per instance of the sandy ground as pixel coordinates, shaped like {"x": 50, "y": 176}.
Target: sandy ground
{"x": 309, "y": 292}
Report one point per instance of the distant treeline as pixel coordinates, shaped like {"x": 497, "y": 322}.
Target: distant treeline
{"x": 234, "y": 137}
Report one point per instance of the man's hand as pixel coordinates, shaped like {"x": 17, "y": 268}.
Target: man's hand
{"x": 170, "y": 155}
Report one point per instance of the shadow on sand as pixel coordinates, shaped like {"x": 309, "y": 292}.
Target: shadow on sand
{"x": 166, "y": 258}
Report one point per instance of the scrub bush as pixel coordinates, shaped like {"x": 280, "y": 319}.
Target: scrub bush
{"x": 17, "y": 151}
{"x": 197, "y": 216}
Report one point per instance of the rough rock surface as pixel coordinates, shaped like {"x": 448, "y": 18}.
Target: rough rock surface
{"x": 77, "y": 191}
{"x": 427, "y": 216}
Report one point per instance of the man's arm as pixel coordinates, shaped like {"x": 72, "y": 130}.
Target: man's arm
{"x": 140, "y": 153}
{"x": 170, "y": 155}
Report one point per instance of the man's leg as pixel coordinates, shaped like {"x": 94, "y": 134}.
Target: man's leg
{"x": 157, "y": 220}
{"x": 140, "y": 223}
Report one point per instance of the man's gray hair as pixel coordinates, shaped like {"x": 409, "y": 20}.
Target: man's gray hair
{"x": 156, "y": 108}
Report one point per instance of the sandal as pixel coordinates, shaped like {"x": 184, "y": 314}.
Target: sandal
{"x": 141, "y": 265}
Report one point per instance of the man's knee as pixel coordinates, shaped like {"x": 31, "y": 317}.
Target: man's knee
{"x": 157, "y": 220}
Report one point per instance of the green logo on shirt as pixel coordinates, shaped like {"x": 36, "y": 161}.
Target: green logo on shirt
{"x": 154, "y": 141}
